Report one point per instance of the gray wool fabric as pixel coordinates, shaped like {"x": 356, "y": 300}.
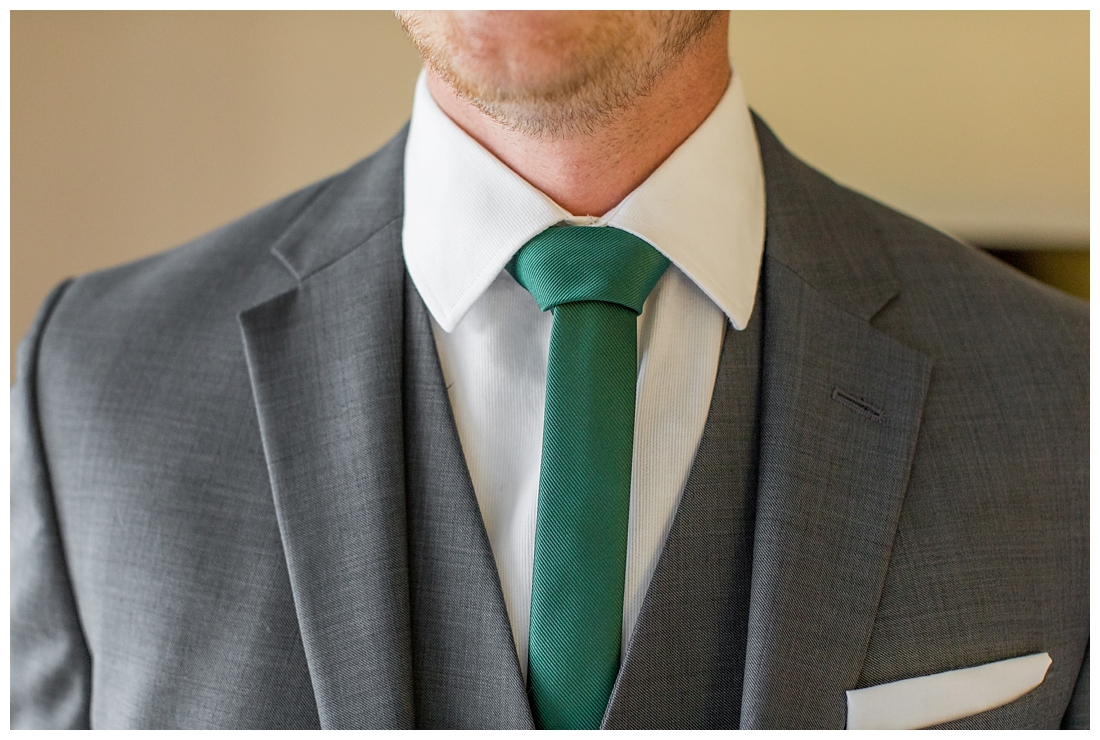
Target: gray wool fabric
{"x": 465, "y": 670}
{"x": 239, "y": 501}
{"x": 685, "y": 662}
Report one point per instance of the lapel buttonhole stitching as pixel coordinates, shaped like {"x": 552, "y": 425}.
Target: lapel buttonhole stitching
{"x": 857, "y": 404}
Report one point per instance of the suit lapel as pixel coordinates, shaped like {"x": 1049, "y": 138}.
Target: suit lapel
{"x": 840, "y": 409}
{"x": 841, "y": 405}
{"x": 839, "y": 412}
{"x": 325, "y": 365}
{"x": 398, "y": 600}
{"x": 465, "y": 669}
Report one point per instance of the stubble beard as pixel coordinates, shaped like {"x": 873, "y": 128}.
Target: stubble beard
{"x": 602, "y": 76}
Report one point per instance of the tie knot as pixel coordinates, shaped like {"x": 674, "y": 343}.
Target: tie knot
{"x": 566, "y": 264}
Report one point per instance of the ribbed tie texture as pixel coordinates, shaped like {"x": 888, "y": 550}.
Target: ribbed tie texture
{"x": 595, "y": 280}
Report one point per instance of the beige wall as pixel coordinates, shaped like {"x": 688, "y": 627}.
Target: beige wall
{"x": 134, "y": 131}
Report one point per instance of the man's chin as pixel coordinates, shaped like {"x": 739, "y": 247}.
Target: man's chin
{"x": 551, "y": 115}
{"x": 536, "y": 78}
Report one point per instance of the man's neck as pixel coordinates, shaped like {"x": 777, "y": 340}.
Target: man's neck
{"x": 590, "y": 174}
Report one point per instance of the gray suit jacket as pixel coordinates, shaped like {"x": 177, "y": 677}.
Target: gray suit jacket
{"x": 238, "y": 498}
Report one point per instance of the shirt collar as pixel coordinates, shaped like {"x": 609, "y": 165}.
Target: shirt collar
{"x": 467, "y": 213}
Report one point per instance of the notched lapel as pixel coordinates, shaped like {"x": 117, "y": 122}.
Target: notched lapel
{"x": 830, "y": 490}
{"x": 325, "y": 364}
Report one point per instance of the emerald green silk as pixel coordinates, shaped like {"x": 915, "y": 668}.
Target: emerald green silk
{"x": 595, "y": 280}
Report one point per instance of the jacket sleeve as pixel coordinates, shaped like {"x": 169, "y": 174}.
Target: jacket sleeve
{"x": 1077, "y": 713}
{"x": 50, "y": 663}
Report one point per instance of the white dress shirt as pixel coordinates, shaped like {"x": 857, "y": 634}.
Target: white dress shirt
{"x": 467, "y": 214}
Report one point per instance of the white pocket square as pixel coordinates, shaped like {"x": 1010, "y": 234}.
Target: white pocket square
{"x": 942, "y": 697}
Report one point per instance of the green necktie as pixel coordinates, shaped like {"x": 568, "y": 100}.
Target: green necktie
{"x": 595, "y": 280}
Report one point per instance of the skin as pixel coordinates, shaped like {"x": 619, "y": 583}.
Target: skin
{"x": 584, "y": 105}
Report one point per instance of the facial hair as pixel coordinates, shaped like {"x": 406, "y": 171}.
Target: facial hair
{"x": 616, "y": 59}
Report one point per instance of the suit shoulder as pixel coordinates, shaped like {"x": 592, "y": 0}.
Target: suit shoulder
{"x": 947, "y": 279}
{"x": 950, "y": 279}
{"x": 235, "y": 265}
{"x": 191, "y": 296}
{"x": 961, "y": 307}
{"x": 110, "y": 331}
{"x": 977, "y": 317}
{"x": 229, "y": 255}
{"x": 811, "y": 209}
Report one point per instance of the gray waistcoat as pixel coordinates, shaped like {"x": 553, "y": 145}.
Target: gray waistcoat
{"x": 684, "y": 664}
